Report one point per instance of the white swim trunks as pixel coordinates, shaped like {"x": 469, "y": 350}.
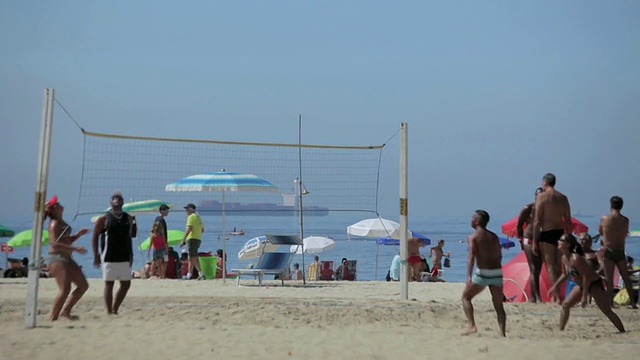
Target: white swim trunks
{"x": 112, "y": 271}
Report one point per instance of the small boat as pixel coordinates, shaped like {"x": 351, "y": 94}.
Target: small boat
{"x": 236, "y": 232}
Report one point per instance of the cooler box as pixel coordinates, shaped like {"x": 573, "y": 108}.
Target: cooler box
{"x": 208, "y": 265}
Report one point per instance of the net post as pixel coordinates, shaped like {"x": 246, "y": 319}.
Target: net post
{"x": 31, "y": 309}
{"x": 404, "y": 274}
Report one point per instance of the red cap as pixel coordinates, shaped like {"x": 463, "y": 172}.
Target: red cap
{"x": 52, "y": 201}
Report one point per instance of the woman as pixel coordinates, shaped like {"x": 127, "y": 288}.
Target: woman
{"x": 61, "y": 266}
{"x": 588, "y": 282}
{"x": 160, "y": 249}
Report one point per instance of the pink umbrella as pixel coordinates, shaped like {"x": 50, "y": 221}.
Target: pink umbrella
{"x": 509, "y": 228}
{"x": 517, "y": 287}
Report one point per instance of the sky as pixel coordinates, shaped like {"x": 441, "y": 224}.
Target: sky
{"x": 495, "y": 93}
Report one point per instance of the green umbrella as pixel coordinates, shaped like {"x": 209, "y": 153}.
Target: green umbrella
{"x": 6, "y": 232}
{"x": 23, "y": 238}
{"x": 138, "y": 207}
{"x": 635, "y": 232}
{"x": 175, "y": 237}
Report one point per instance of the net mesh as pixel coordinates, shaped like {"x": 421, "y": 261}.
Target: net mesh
{"x": 338, "y": 178}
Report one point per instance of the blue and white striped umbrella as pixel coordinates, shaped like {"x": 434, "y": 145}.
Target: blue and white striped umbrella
{"x": 222, "y": 181}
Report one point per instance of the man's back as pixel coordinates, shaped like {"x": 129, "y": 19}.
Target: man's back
{"x": 552, "y": 211}
{"x": 614, "y": 228}
{"x": 486, "y": 249}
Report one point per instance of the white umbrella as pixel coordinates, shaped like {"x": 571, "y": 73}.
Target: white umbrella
{"x": 222, "y": 181}
{"x": 376, "y": 228}
{"x": 255, "y": 248}
{"x": 313, "y": 245}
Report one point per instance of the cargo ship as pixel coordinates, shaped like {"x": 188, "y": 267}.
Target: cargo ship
{"x": 213, "y": 207}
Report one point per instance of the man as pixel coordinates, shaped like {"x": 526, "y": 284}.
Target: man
{"x": 484, "y": 249}
{"x": 341, "y": 269}
{"x": 437, "y": 253}
{"x": 192, "y": 238}
{"x": 525, "y": 234}
{"x": 614, "y": 229}
{"x": 415, "y": 262}
{"x": 116, "y": 229}
{"x": 164, "y": 211}
{"x": 552, "y": 219}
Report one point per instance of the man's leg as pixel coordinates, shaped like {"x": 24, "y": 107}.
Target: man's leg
{"x": 624, "y": 274}
{"x": 609, "y": 266}
{"x": 120, "y": 295}
{"x": 550, "y": 257}
{"x": 535, "y": 265}
{"x": 470, "y": 291}
{"x": 108, "y": 296}
{"x": 497, "y": 297}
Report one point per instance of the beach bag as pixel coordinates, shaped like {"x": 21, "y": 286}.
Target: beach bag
{"x": 622, "y": 298}
{"x": 447, "y": 262}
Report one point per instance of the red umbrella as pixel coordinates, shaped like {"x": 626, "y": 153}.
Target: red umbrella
{"x": 516, "y": 280}
{"x": 509, "y": 228}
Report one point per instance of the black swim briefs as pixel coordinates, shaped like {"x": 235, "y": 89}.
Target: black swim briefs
{"x": 551, "y": 236}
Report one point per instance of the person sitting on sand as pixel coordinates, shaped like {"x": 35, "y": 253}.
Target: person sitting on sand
{"x": 297, "y": 274}
{"x": 587, "y": 282}
{"x": 341, "y": 269}
{"x": 485, "y": 250}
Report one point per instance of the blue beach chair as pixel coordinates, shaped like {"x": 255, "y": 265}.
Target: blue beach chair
{"x": 271, "y": 263}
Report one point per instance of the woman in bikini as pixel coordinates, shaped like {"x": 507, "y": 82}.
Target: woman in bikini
{"x": 61, "y": 266}
{"x": 587, "y": 282}
{"x": 594, "y": 259}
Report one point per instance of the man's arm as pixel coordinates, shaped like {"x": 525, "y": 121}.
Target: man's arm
{"x": 537, "y": 224}
{"x": 568, "y": 228}
{"x": 97, "y": 230}
{"x": 600, "y": 226}
{"x": 522, "y": 218}
{"x": 471, "y": 258}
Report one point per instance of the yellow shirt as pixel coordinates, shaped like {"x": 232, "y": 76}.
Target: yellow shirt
{"x": 196, "y": 226}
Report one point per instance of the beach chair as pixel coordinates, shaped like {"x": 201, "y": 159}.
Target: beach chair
{"x": 350, "y": 272}
{"x": 271, "y": 263}
{"x": 312, "y": 272}
{"x": 326, "y": 270}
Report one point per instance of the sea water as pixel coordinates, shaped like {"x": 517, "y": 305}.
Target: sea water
{"x": 373, "y": 260}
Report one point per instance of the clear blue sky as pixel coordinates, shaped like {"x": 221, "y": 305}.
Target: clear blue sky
{"x": 496, "y": 93}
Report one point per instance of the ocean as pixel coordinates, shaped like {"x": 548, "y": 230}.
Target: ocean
{"x": 453, "y": 229}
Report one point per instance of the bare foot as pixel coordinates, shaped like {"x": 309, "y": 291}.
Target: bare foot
{"x": 70, "y": 317}
{"x": 470, "y": 330}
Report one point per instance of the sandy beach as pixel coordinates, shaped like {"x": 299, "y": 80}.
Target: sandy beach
{"x": 167, "y": 319}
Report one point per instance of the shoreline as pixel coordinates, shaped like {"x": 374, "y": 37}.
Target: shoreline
{"x": 361, "y": 320}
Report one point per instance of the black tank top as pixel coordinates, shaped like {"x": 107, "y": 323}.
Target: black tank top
{"x": 116, "y": 244}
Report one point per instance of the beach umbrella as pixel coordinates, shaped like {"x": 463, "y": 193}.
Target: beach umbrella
{"x": 138, "y": 207}
{"x": 23, "y": 238}
{"x": 174, "y": 237}
{"x": 313, "y": 245}
{"x": 516, "y": 284}
{"x": 509, "y": 228}
{"x": 256, "y": 247}
{"x": 6, "y": 232}
{"x": 635, "y": 232}
{"x": 376, "y": 227}
{"x": 222, "y": 181}
{"x": 390, "y": 241}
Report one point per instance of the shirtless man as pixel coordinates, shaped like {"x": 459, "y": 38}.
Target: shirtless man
{"x": 552, "y": 219}
{"x": 485, "y": 250}
{"x": 415, "y": 262}
{"x": 614, "y": 229}
{"x": 525, "y": 234}
{"x": 436, "y": 253}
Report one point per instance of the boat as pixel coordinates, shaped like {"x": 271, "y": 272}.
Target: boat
{"x": 236, "y": 232}
{"x": 213, "y": 207}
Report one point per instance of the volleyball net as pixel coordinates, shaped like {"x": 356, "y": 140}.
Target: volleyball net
{"x": 336, "y": 178}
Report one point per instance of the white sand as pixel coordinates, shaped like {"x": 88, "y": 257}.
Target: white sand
{"x": 171, "y": 319}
